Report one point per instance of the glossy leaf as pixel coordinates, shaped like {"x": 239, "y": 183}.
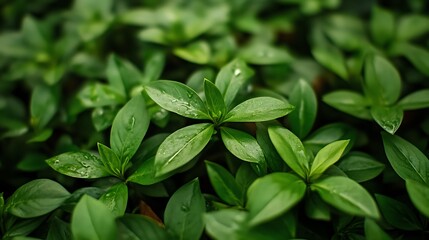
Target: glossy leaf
{"x": 196, "y": 52}
{"x": 258, "y": 109}
{"x": 382, "y": 80}
{"x": 128, "y": 129}
{"x": 406, "y": 159}
{"x": 102, "y": 117}
{"x": 419, "y": 195}
{"x": 43, "y": 105}
{"x": 78, "y": 165}
{"x": 416, "y": 100}
{"x": 382, "y": 25}
{"x": 231, "y": 78}
{"x": 389, "y": 118}
{"x": 327, "y": 156}
{"x": 36, "y": 198}
{"x": 346, "y": 195}
{"x": 224, "y": 184}
{"x": 146, "y": 173}
{"x": 181, "y": 146}
{"x": 136, "y": 227}
{"x": 274, "y": 161}
{"x": 272, "y": 195}
{"x": 91, "y": 219}
{"x": 291, "y": 150}
{"x": 178, "y": 98}
{"x": 109, "y": 159}
{"x": 214, "y": 100}
{"x": 242, "y": 145}
{"x": 349, "y": 102}
{"x": 183, "y": 215}
{"x": 304, "y": 99}
{"x": 373, "y": 231}
{"x": 360, "y": 166}
{"x": 116, "y": 198}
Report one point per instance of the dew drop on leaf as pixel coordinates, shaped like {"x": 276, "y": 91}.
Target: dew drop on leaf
{"x": 184, "y": 208}
{"x": 237, "y": 72}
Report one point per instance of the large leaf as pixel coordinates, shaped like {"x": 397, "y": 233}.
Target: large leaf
{"x": 419, "y": 194}
{"x": 290, "y": 148}
{"x": 258, "y": 109}
{"x": 116, "y": 198}
{"x": 416, "y": 100}
{"x": 382, "y": 80}
{"x": 232, "y": 78}
{"x": 91, "y": 219}
{"x": 214, "y": 100}
{"x": 178, "y": 98}
{"x": 349, "y": 102}
{"x": 360, "y": 166}
{"x": 181, "y": 146}
{"x": 346, "y": 195}
{"x": 36, "y": 198}
{"x": 183, "y": 215}
{"x": 406, "y": 159}
{"x": 327, "y": 156}
{"x": 78, "y": 165}
{"x": 137, "y": 227}
{"x": 272, "y": 195}
{"x": 242, "y": 145}
{"x": 224, "y": 184}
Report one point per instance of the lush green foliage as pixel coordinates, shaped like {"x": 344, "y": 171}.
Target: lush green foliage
{"x": 214, "y": 119}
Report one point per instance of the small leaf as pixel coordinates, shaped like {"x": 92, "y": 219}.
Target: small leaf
{"x": 406, "y": 159}
{"x": 122, "y": 75}
{"x": 99, "y": 95}
{"x": 346, "y": 195}
{"x": 36, "y": 198}
{"x": 272, "y": 195}
{"x": 382, "y": 25}
{"x": 146, "y": 173}
{"x": 91, "y": 219}
{"x": 43, "y": 105}
{"x": 128, "y": 129}
{"x": 373, "y": 231}
{"x": 274, "y": 161}
{"x": 181, "y": 146}
{"x": 330, "y": 133}
{"x": 59, "y": 230}
{"x": 136, "y": 227}
{"x": 102, "y": 117}
{"x": 258, "y": 109}
{"x": 349, "y": 102}
{"x": 360, "y": 166}
{"x": 214, "y": 100}
{"x": 264, "y": 54}
{"x": 304, "y": 99}
{"x": 178, "y": 98}
{"x": 224, "y": 184}
{"x": 290, "y": 148}
{"x": 382, "y": 81}
{"x": 412, "y": 26}
{"x": 389, "y": 118}
{"x": 327, "y": 156}
{"x": 416, "y": 100}
{"x": 231, "y": 78}
{"x": 416, "y": 55}
{"x": 197, "y": 52}
{"x": 109, "y": 159}
{"x": 332, "y": 58}
{"x": 184, "y": 212}
{"x": 78, "y": 165}
{"x": 419, "y": 194}
{"x": 116, "y": 198}
{"x": 242, "y": 145}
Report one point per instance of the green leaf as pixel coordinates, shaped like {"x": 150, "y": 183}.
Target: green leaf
{"x": 416, "y": 100}
{"x": 225, "y": 223}
{"x": 214, "y": 100}
{"x": 22, "y": 227}
{"x": 389, "y": 118}
{"x": 263, "y": 54}
{"x": 59, "y": 229}
{"x": 349, "y": 102}
{"x": 304, "y": 99}
{"x": 146, "y": 173}
{"x": 397, "y": 214}
{"x": 41, "y": 136}
{"x": 43, "y": 105}
{"x": 274, "y": 162}
{"x": 91, "y": 219}
{"x": 154, "y": 66}
{"x": 330, "y": 133}
{"x": 412, "y": 26}
{"x": 419, "y": 195}
{"x": 78, "y": 165}
{"x": 360, "y": 166}
{"x": 128, "y": 129}
{"x": 346, "y": 195}
{"x": 109, "y": 159}
{"x": 373, "y": 231}
{"x": 99, "y": 95}
{"x": 36, "y": 198}
{"x": 326, "y": 157}
{"x": 258, "y": 109}
{"x": 332, "y": 58}
{"x": 137, "y": 227}
{"x": 32, "y": 33}
{"x": 122, "y": 75}
{"x": 153, "y": 34}
{"x": 290, "y": 148}
{"x": 231, "y": 78}
{"x": 178, "y": 98}
{"x": 316, "y": 208}
{"x": 242, "y": 145}
{"x": 196, "y": 52}
{"x": 116, "y": 198}
{"x": 183, "y": 215}
{"x": 406, "y": 159}
{"x": 382, "y": 82}
{"x": 416, "y": 55}
{"x": 382, "y": 25}
{"x": 224, "y": 184}
{"x": 272, "y": 195}
{"x": 181, "y": 146}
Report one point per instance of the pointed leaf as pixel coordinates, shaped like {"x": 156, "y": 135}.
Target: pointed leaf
{"x": 360, "y": 166}
{"x": 419, "y": 194}
{"x": 349, "y": 102}
{"x": 331, "y": 58}
{"x": 416, "y": 100}
{"x": 224, "y": 184}
{"x": 109, "y": 159}
{"x": 242, "y": 145}
{"x": 214, "y": 100}
{"x": 116, "y": 198}
{"x": 122, "y": 75}
{"x": 382, "y": 25}
{"x": 196, "y": 52}
{"x": 146, "y": 173}
{"x": 327, "y": 156}
{"x": 389, "y": 118}
{"x": 412, "y": 26}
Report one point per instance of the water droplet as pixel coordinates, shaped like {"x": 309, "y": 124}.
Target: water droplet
{"x": 86, "y": 157}
{"x": 108, "y": 195}
{"x": 185, "y": 208}
{"x": 190, "y": 94}
{"x": 174, "y": 100}
{"x": 237, "y": 72}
